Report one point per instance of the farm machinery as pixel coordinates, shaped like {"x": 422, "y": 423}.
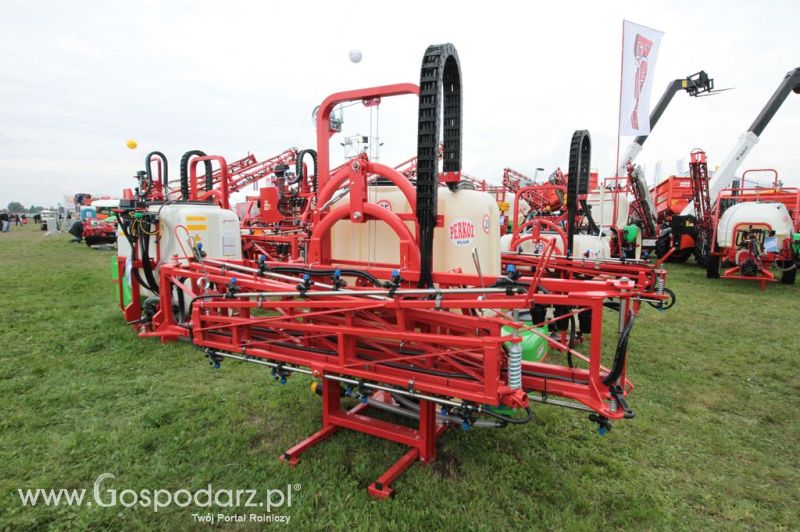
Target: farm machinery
{"x": 756, "y": 229}
{"x": 617, "y": 218}
{"x": 402, "y": 303}
{"x": 276, "y": 222}
{"x": 682, "y": 235}
{"x": 747, "y": 230}
{"x": 647, "y": 226}
{"x": 96, "y": 222}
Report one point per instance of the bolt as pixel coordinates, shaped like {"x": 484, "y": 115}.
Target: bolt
{"x": 356, "y": 215}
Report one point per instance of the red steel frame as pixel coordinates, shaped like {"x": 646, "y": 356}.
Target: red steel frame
{"x": 435, "y": 344}
{"x": 359, "y": 337}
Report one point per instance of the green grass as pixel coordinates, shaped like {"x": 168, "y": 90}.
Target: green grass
{"x": 714, "y": 443}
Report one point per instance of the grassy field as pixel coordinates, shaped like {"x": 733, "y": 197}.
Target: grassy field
{"x": 715, "y": 443}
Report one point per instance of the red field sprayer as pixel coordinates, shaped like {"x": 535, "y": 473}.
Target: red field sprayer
{"x": 756, "y": 230}
{"x": 422, "y": 330}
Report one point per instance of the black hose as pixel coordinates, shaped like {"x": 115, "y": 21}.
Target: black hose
{"x": 571, "y": 342}
{"x": 124, "y": 225}
{"x": 147, "y": 169}
{"x": 621, "y": 354}
{"x": 181, "y": 300}
{"x": 411, "y": 403}
{"x": 345, "y": 272}
{"x": 508, "y": 419}
{"x": 144, "y": 241}
{"x": 298, "y": 168}
{"x": 185, "y": 173}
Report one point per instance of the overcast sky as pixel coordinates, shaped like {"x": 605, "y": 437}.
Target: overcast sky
{"x": 77, "y": 79}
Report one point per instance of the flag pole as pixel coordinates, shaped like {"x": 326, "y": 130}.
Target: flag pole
{"x": 619, "y": 108}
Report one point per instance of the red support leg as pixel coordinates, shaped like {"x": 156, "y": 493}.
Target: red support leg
{"x": 422, "y": 441}
{"x": 427, "y": 431}
{"x": 425, "y": 450}
{"x": 380, "y": 489}
{"x": 330, "y": 405}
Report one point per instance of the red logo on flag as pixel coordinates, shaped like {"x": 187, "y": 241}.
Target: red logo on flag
{"x": 641, "y": 50}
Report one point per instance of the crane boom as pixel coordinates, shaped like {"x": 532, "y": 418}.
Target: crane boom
{"x": 726, "y": 174}
{"x": 695, "y": 84}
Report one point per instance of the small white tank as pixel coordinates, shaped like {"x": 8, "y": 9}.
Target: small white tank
{"x": 591, "y": 246}
{"x": 604, "y": 217}
{"x": 771, "y": 216}
{"x": 529, "y": 246}
{"x": 524, "y": 208}
{"x": 505, "y": 243}
{"x": 471, "y": 221}
{"x": 216, "y": 228}
{"x": 597, "y": 247}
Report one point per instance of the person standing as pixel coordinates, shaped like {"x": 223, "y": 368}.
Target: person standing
{"x": 5, "y": 221}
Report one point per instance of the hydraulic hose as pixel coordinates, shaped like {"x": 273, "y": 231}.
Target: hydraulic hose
{"x": 298, "y": 169}
{"x": 621, "y": 353}
{"x": 147, "y": 169}
{"x": 185, "y": 173}
{"x": 414, "y": 414}
{"x": 144, "y": 241}
{"x": 124, "y": 225}
{"x": 343, "y": 271}
{"x": 410, "y": 404}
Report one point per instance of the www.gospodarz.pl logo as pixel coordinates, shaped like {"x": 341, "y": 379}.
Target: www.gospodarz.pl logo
{"x": 158, "y": 498}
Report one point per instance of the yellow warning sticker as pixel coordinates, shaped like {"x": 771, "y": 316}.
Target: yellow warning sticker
{"x": 197, "y": 227}
{"x": 196, "y": 218}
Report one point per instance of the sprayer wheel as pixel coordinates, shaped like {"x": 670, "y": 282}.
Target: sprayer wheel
{"x": 681, "y": 255}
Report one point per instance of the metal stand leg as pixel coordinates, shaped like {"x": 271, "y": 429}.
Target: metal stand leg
{"x": 422, "y": 441}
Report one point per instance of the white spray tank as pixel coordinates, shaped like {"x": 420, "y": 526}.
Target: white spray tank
{"x": 217, "y": 229}
{"x": 471, "y": 221}
{"x": 767, "y": 216}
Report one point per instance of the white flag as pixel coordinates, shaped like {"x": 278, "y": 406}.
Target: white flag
{"x": 639, "y": 52}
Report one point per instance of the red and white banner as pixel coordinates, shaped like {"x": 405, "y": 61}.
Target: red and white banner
{"x": 639, "y": 52}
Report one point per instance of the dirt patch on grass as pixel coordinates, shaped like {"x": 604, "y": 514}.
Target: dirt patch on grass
{"x": 446, "y": 465}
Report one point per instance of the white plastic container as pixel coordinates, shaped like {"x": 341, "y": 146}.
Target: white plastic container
{"x": 471, "y": 221}
{"x": 771, "y": 216}
{"x": 591, "y": 246}
{"x": 597, "y": 247}
{"x": 604, "y": 217}
{"x": 524, "y": 208}
{"x": 216, "y": 228}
